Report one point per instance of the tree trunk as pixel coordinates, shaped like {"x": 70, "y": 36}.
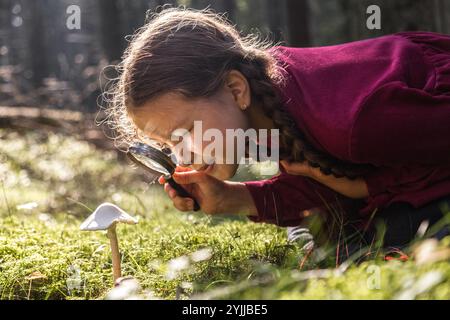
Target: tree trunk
{"x": 274, "y": 18}
{"x": 298, "y": 23}
{"x": 228, "y": 6}
{"x": 112, "y": 41}
{"x": 37, "y": 43}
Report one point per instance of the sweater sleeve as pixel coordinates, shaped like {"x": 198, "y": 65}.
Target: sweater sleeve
{"x": 399, "y": 126}
{"x": 283, "y": 199}
{"x": 394, "y": 180}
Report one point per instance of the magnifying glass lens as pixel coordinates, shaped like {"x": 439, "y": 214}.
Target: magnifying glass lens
{"x": 149, "y": 163}
{"x": 157, "y": 160}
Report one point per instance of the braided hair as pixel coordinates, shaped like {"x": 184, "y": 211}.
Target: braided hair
{"x": 191, "y": 51}
{"x": 294, "y": 145}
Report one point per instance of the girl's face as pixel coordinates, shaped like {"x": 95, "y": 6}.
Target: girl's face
{"x": 160, "y": 117}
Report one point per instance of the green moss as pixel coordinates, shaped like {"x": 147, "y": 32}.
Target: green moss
{"x": 44, "y": 255}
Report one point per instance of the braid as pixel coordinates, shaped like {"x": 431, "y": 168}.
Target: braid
{"x": 293, "y": 144}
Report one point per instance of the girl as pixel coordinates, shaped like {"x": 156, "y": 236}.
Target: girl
{"x": 364, "y": 126}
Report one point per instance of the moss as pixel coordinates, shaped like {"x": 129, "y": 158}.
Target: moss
{"x": 43, "y": 255}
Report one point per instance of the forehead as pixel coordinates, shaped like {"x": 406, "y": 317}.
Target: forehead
{"x": 159, "y": 117}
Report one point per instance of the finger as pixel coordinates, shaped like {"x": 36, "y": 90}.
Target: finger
{"x": 284, "y": 163}
{"x": 287, "y": 165}
{"x": 183, "y": 204}
{"x": 182, "y": 169}
{"x": 170, "y": 191}
{"x": 189, "y": 177}
{"x": 295, "y": 167}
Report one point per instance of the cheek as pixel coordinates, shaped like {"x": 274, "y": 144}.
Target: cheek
{"x": 233, "y": 120}
{"x": 226, "y": 117}
{"x": 215, "y": 121}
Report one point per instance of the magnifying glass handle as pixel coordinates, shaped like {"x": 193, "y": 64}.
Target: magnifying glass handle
{"x": 181, "y": 192}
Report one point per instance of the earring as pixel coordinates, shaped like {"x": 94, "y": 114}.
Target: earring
{"x": 244, "y": 107}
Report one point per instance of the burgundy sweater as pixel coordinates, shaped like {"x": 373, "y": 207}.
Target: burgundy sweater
{"x": 382, "y": 101}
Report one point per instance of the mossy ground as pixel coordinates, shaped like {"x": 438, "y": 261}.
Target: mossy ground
{"x": 51, "y": 182}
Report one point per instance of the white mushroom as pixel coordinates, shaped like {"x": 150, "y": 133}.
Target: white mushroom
{"x": 106, "y": 217}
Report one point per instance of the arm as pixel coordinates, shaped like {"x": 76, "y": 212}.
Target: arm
{"x": 355, "y": 189}
{"x": 405, "y": 132}
{"x": 214, "y": 196}
{"x": 239, "y": 200}
{"x": 282, "y": 199}
{"x": 399, "y": 126}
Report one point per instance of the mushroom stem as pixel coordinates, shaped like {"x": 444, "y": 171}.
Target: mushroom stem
{"x": 115, "y": 254}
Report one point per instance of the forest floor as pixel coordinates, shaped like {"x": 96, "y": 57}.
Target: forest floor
{"x": 51, "y": 182}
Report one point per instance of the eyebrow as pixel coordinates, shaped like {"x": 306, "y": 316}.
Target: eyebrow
{"x": 166, "y": 134}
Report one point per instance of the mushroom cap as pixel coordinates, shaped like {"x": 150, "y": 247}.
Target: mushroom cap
{"x": 106, "y": 215}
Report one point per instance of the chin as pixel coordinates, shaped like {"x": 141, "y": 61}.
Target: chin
{"x": 223, "y": 171}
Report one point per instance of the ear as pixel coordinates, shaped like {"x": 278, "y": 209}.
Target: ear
{"x": 236, "y": 83}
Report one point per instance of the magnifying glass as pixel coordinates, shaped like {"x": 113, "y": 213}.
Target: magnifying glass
{"x": 158, "y": 162}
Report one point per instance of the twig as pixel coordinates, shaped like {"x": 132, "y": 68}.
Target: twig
{"x": 6, "y": 199}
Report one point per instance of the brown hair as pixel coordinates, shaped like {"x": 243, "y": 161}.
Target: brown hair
{"x": 191, "y": 51}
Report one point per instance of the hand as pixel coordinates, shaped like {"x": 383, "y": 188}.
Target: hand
{"x": 301, "y": 169}
{"x": 214, "y": 196}
{"x": 356, "y": 189}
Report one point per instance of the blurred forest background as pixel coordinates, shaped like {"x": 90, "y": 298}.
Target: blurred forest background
{"x": 44, "y": 64}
